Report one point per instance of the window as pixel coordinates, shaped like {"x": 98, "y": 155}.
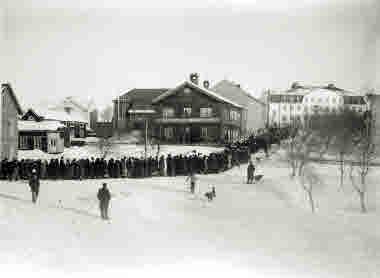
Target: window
{"x": 284, "y": 119}
{"x": 234, "y": 115}
{"x": 284, "y": 108}
{"x": 168, "y": 113}
{"x": 168, "y": 132}
{"x": 298, "y": 107}
{"x": 204, "y": 133}
{"x": 187, "y": 111}
{"x": 334, "y": 100}
{"x": 225, "y": 113}
{"x": 205, "y": 112}
{"x": 275, "y": 98}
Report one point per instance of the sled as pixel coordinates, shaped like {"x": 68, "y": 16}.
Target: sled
{"x": 257, "y": 178}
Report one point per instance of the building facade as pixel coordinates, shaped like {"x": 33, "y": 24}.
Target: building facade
{"x": 75, "y": 126}
{"x": 299, "y": 102}
{"x": 9, "y": 114}
{"x": 254, "y": 114}
{"x": 186, "y": 114}
{"x": 47, "y": 136}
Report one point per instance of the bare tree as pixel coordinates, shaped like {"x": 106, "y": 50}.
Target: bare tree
{"x": 344, "y": 129}
{"x": 364, "y": 154}
{"x": 309, "y": 179}
{"x": 105, "y": 146}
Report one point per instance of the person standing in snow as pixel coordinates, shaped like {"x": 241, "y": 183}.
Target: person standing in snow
{"x": 250, "y": 172}
{"x": 34, "y": 184}
{"x": 193, "y": 179}
{"x": 104, "y": 197}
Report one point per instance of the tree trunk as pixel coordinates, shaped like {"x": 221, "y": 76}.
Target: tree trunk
{"x": 311, "y": 201}
{"x": 362, "y": 202}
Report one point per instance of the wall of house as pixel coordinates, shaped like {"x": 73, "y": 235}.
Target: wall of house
{"x": 9, "y": 127}
{"x": 256, "y": 116}
{"x": 104, "y": 129}
{"x": 195, "y": 100}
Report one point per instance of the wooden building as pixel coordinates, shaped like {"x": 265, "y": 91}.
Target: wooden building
{"x": 186, "y": 114}
{"x": 254, "y": 114}
{"x": 9, "y": 114}
{"x": 75, "y": 124}
{"x": 47, "y": 136}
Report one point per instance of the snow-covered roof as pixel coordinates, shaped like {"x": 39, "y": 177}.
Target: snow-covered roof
{"x": 39, "y": 126}
{"x": 199, "y": 88}
{"x": 59, "y": 115}
{"x": 147, "y": 111}
{"x": 235, "y": 92}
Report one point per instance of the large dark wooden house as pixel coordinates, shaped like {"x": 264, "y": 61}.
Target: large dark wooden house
{"x": 10, "y": 110}
{"x": 188, "y": 113}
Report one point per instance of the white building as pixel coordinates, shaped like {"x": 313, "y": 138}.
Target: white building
{"x": 299, "y": 101}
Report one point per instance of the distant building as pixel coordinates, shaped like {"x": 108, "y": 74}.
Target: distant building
{"x": 293, "y": 105}
{"x": 93, "y": 118}
{"x": 10, "y": 111}
{"x": 132, "y": 108}
{"x": 254, "y": 114}
{"x": 188, "y": 113}
{"x": 74, "y": 122}
{"x": 47, "y": 136}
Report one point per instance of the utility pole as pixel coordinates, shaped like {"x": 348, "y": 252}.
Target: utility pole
{"x": 146, "y": 142}
{"x": 118, "y": 115}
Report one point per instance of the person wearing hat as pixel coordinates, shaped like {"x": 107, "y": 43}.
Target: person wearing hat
{"x": 34, "y": 184}
{"x": 104, "y": 197}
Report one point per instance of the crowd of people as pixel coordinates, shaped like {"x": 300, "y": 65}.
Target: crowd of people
{"x": 138, "y": 167}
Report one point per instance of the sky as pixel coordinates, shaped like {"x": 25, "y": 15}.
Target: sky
{"x": 101, "y": 49}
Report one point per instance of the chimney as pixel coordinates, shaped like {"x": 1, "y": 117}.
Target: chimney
{"x": 206, "y": 84}
{"x": 194, "y": 78}
{"x": 331, "y": 86}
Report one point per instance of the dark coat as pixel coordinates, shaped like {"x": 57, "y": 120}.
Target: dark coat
{"x": 34, "y": 183}
{"x": 104, "y": 195}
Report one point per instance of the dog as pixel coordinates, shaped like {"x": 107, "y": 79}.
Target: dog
{"x": 210, "y": 195}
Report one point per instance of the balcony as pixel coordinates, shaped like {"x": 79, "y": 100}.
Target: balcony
{"x": 188, "y": 120}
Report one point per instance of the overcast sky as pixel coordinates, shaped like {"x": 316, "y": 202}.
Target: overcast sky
{"x": 103, "y": 48}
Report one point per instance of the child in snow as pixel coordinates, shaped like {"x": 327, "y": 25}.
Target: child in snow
{"x": 193, "y": 178}
{"x": 104, "y": 197}
{"x": 250, "y": 172}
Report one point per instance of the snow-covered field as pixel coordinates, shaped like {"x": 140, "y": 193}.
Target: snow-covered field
{"x": 157, "y": 229}
{"x": 117, "y": 151}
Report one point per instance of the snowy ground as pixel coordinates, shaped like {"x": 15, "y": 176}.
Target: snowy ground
{"x": 157, "y": 229}
{"x": 117, "y": 151}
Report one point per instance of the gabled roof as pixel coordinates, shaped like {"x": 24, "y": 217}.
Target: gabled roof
{"x": 143, "y": 96}
{"x": 234, "y": 92}
{"x": 57, "y": 115}
{"x": 207, "y": 92}
{"x": 303, "y": 90}
{"x": 8, "y": 88}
